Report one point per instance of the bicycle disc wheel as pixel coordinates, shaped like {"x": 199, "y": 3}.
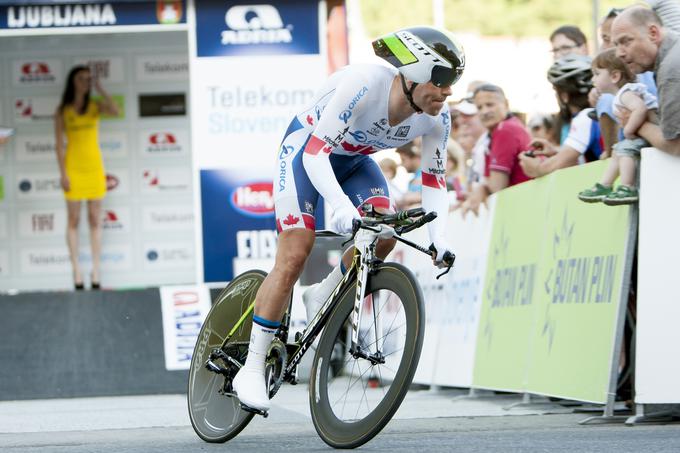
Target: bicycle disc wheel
{"x": 216, "y": 416}
{"x": 350, "y": 407}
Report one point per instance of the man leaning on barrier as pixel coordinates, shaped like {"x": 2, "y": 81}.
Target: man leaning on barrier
{"x": 645, "y": 45}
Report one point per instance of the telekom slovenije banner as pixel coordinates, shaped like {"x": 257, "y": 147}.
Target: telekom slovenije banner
{"x": 253, "y": 67}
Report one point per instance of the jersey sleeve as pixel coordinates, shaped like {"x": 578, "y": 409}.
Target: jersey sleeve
{"x": 433, "y": 162}
{"x": 579, "y": 132}
{"x": 349, "y": 101}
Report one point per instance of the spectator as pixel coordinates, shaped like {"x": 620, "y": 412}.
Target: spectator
{"x": 410, "y": 160}
{"x": 572, "y": 79}
{"x": 543, "y": 126}
{"x": 455, "y": 174}
{"x": 567, "y": 40}
{"x": 632, "y": 102}
{"x": 508, "y": 138}
{"x": 389, "y": 169}
{"x": 80, "y": 163}
{"x": 644, "y": 45}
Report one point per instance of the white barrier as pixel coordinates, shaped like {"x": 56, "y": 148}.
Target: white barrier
{"x": 452, "y": 303}
{"x": 657, "y": 372}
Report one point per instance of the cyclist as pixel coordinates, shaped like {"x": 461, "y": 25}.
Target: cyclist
{"x": 359, "y": 110}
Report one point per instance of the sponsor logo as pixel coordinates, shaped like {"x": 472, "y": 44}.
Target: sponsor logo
{"x": 167, "y": 179}
{"x": 309, "y": 207}
{"x": 34, "y": 108}
{"x": 162, "y": 142}
{"x": 286, "y": 151}
{"x": 256, "y": 244}
{"x": 282, "y": 175}
{"x": 169, "y": 11}
{"x": 378, "y": 127}
{"x": 446, "y": 118}
{"x": 255, "y": 24}
{"x": 40, "y": 186}
{"x": 35, "y": 148}
{"x": 42, "y": 222}
{"x": 111, "y": 221}
{"x": 36, "y": 72}
{"x": 162, "y": 67}
{"x": 347, "y": 113}
{"x": 113, "y": 144}
{"x": 359, "y": 136}
{"x": 168, "y": 255}
{"x": 255, "y": 199}
{"x": 183, "y": 308}
{"x": 402, "y": 131}
{"x": 112, "y": 182}
{"x": 168, "y": 218}
{"x": 375, "y": 191}
{"x": 60, "y": 16}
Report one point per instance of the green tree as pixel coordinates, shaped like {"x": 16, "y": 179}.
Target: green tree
{"x": 517, "y": 18}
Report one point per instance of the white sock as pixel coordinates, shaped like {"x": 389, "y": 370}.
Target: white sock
{"x": 328, "y": 284}
{"x": 260, "y": 338}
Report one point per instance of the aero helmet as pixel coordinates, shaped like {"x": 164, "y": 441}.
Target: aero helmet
{"x": 423, "y": 54}
{"x": 572, "y": 74}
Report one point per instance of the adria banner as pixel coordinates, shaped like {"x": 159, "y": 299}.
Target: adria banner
{"x": 254, "y": 65}
{"x": 93, "y": 14}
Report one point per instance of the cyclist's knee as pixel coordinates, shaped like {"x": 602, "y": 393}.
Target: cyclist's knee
{"x": 384, "y": 247}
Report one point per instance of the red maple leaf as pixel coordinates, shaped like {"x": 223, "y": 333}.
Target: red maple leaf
{"x": 310, "y": 120}
{"x": 291, "y": 220}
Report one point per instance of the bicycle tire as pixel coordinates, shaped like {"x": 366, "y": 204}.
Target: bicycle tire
{"x": 216, "y": 417}
{"x": 335, "y": 431}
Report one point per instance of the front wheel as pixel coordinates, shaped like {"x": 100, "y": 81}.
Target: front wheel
{"x": 350, "y": 406}
{"x": 215, "y": 412}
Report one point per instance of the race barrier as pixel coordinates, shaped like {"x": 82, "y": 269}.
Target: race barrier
{"x": 534, "y": 303}
{"x": 657, "y": 370}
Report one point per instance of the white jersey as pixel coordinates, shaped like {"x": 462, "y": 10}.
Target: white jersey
{"x": 349, "y": 116}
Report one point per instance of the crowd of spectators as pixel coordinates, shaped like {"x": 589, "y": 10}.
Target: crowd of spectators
{"x": 612, "y": 103}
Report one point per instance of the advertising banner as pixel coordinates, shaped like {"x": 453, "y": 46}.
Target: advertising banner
{"x": 508, "y": 300}
{"x": 657, "y": 370}
{"x": 95, "y": 14}
{"x": 578, "y": 290}
{"x": 461, "y": 296}
{"x": 238, "y": 219}
{"x": 247, "y": 28}
{"x": 184, "y": 309}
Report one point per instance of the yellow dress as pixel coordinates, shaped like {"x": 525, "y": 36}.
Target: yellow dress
{"x": 83, "y": 161}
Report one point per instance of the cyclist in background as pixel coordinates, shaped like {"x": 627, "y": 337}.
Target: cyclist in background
{"x": 359, "y": 110}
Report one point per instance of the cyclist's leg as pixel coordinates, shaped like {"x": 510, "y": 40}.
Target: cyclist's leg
{"x": 363, "y": 182}
{"x": 294, "y": 200}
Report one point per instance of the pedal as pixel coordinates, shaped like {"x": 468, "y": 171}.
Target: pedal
{"x": 252, "y": 410}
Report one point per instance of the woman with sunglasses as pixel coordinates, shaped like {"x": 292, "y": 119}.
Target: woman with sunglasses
{"x": 358, "y": 111}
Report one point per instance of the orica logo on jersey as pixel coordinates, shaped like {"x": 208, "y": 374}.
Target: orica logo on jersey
{"x": 347, "y": 113}
{"x": 255, "y": 24}
{"x": 255, "y": 199}
{"x": 286, "y": 151}
{"x": 359, "y": 136}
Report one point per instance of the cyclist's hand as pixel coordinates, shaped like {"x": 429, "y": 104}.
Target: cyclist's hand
{"x": 439, "y": 247}
{"x": 341, "y": 220}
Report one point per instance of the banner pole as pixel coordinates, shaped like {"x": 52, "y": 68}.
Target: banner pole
{"x": 608, "y": 414}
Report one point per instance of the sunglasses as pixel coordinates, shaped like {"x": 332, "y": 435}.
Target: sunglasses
{"x": 443, "y": 77}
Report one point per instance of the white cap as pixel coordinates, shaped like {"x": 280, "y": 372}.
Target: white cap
{"x": 465, "y": 107}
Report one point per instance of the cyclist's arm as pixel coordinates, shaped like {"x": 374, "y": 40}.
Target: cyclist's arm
{"x": 433, "y": 164}
{"x": 329, "y": 132}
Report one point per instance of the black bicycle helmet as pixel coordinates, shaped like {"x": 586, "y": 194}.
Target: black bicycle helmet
{"x": 572, "y": 74}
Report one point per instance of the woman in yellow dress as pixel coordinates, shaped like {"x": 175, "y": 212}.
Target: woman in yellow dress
{"x": 80, "y": 162}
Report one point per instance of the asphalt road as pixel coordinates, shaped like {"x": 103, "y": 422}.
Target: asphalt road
{"x": 427, "y": 422}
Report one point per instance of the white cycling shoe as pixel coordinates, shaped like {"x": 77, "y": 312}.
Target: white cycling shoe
{"x": 313, "y": 301}
{"x": 251, "y": 389}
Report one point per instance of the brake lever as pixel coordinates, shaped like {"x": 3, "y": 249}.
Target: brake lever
{"x": 356, "y": 224}
{"x": 448, "y": 259}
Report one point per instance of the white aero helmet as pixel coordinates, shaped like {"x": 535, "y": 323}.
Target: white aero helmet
{"x": 423, "y": 54}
